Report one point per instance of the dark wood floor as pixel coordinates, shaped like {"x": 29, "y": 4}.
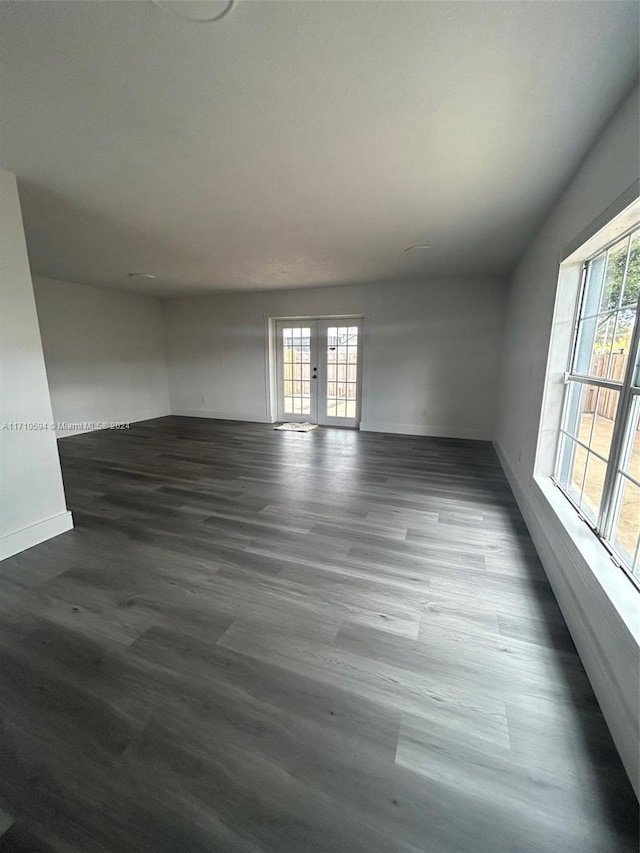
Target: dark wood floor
{"x": 266, "y": 641}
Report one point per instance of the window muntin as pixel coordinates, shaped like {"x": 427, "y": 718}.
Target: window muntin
{"x": 598, "y": 459}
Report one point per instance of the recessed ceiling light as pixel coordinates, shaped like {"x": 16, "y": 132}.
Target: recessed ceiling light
{"x": 415, "y": 248}
{"x": 140, "y": 275}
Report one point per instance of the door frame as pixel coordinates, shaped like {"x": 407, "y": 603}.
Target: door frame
{"x": 271, "y": 363}
{"x": 323, "y": 418}
{"x": 313, "y": 359}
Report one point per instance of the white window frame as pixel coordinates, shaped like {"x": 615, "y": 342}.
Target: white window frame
{"x": 573, "y": 272}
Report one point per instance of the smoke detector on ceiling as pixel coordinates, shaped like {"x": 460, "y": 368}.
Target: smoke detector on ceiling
{"x": 171, "y": 10}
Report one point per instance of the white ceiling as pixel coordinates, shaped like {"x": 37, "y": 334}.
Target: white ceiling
{"x": 299, "y": 143}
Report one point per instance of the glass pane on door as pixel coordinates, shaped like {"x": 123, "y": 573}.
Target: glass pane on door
{"x": 296, "y": 364}
{"x": 342, "y": 371}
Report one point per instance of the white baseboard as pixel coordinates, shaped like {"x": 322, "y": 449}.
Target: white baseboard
{"x": 420, "y": 429}
{"x": 27, "y": 537}
{"x": 365, "y": 426}
{"x": 135, "y": 418}
{"x": 251, "y": 417}
{"x": 593, "y": 595}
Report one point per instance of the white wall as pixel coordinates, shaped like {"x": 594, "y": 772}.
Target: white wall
{"x": 431, "y": 352}
{"x": 594, "y": 598}
{"x": 32, "y": 502}
{"x": 104, "y": 351}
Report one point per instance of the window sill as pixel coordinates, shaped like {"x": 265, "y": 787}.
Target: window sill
{"x": 586, "y": 549}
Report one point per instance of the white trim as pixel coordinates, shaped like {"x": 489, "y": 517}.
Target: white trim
{"x": 250, "y": 417}
{"x": 306, "y": 317}
{"x": 27, "y": 537}
{"x": 318, "y": 356}
{"x": 281, "y": 415}
{"x": 323, "y": 367}
{"x": 147, "y": 415}
{"x": 365, "y": 426}
{"x": 572, "y": 285}
{"x": 270, "y": 363}
{"x": 421, "y": 429}
{"x": 598, "y": 603}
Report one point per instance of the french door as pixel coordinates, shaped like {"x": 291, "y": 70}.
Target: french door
{"x": 319, "y": 371}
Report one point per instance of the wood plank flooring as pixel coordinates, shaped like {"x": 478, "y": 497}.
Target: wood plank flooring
{"x": 328, "y": 642}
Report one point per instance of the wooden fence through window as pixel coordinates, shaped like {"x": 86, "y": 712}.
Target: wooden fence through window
{"x": 611, "y": 366}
